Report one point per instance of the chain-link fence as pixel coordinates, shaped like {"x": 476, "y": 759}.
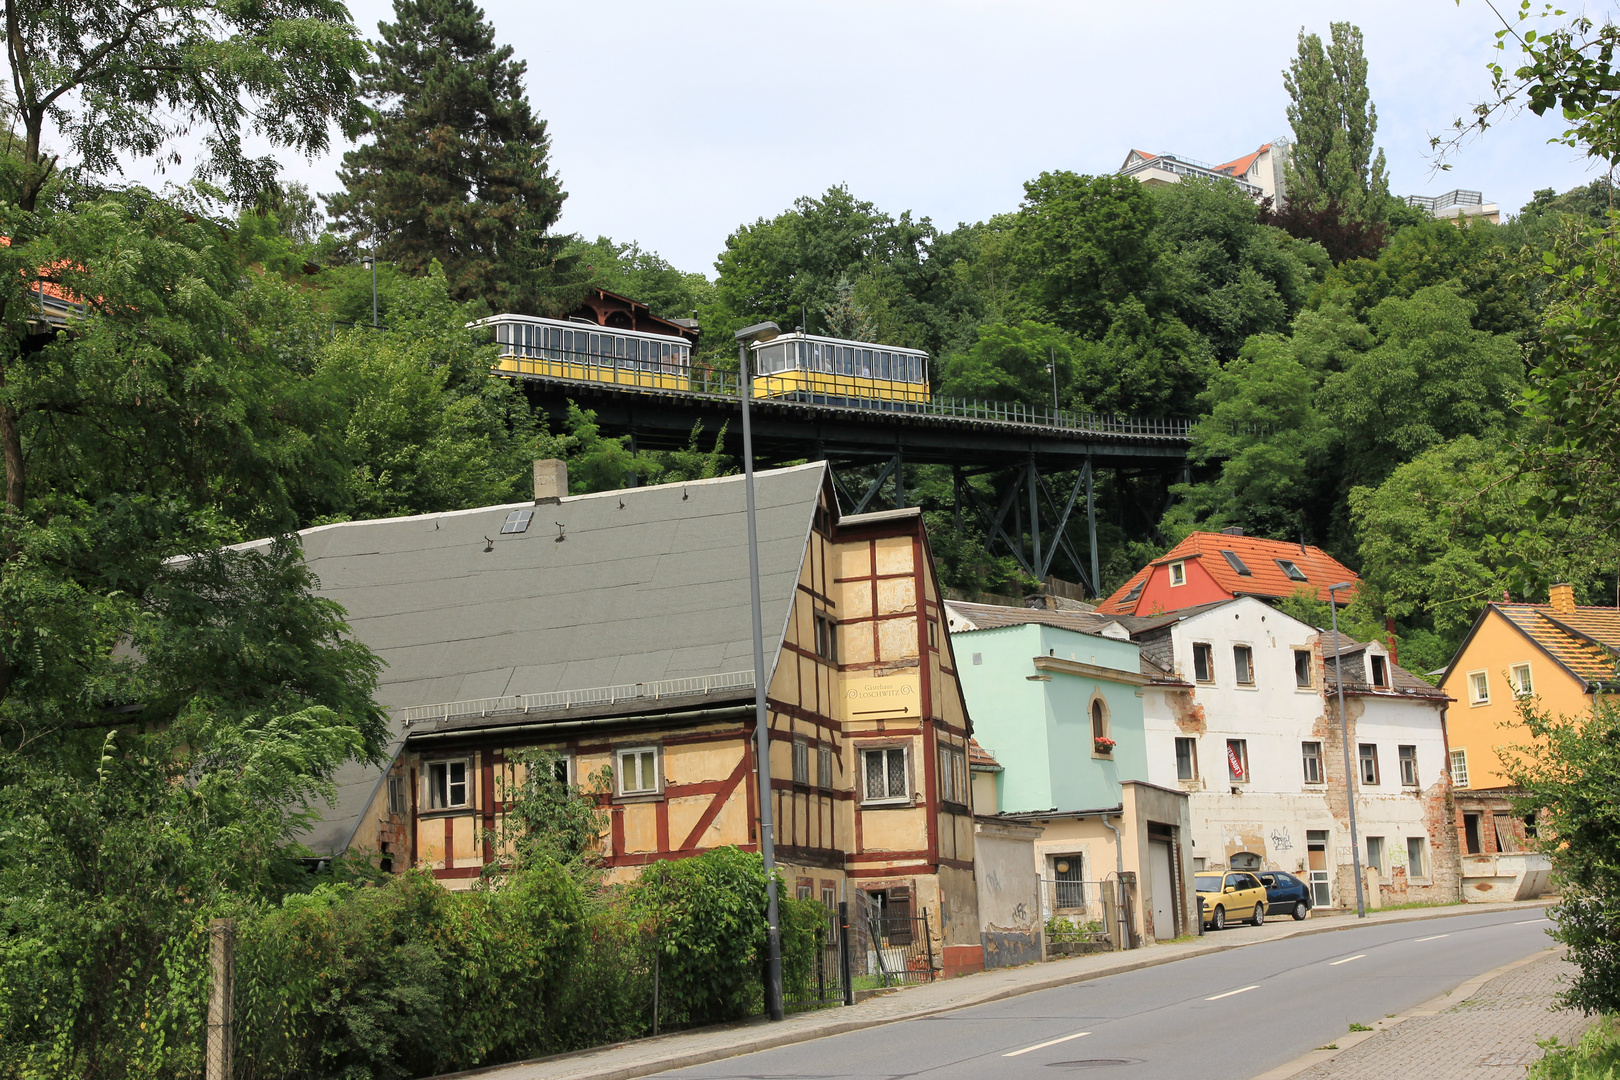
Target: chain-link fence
{"x": 1079, "y": 915}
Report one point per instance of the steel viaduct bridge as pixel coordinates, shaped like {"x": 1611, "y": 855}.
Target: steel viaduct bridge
{"x": 1032, "y": 452}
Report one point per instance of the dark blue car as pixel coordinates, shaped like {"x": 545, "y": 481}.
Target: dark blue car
{"x": 1285, "y": 893}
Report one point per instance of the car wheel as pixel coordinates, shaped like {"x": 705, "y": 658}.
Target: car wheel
{"x": 1259, "y": 915}
{"x": 1217, "y": 921}
{"x": 1301, "y": 909}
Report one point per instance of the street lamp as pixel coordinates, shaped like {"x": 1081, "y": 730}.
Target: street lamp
{"x": 1344, "y": 737}
{"x": 369, "y": 262}
{"x": 762, "y": 734}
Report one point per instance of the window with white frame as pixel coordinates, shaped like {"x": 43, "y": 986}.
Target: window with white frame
{"x": 884, "y": 775}
{"x": 1479, "y": 688}
{"x": 824, "y": 770}
{"x": 1375, "y": 853}
{"x": 1203, "y": 661}
{"x": 953, "y": 778}
{"x": 1417, "y": 861}
{"x": 1367, "y": 755}
{"x": 1380, "y": 671}
{"x": 1459, "y": 768}
{"x": 638, "y": 771}
{"x": 1311, "y": 754}
{"x": 801, "y": 762}
{"x": 447, "y": 785}
{"x": 1178, "y": 573}
{"x": 1237, "y": 760}
{"x": 396, "y": 795}
{"x": 1409, "y": 773}
{"x": 1243, "y": 664}
{"x": 1186, "y": 758}
{"x": 1521, "y": 680}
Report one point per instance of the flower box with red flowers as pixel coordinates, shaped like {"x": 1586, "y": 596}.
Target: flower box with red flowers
{"x": 1103, "y": 745}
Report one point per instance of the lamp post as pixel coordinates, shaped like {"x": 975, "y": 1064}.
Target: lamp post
{"x": 762, "y": 734}
{"x": 370, "y": 263}
{"x": 1344, "y": 737}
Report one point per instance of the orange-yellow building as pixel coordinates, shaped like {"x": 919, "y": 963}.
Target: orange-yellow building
{"x": 1560, "y": 653}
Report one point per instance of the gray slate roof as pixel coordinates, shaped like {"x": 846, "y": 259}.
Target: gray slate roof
{"x": 646, "y": 584}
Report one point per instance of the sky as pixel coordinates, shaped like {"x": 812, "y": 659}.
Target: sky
{"x": 674, "y": 123}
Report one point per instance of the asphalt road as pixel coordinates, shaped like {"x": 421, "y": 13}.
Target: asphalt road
{"x": 1229, "y": 1016}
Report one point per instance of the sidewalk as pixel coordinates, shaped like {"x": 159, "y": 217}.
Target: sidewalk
{"x": 643, "y": 1057}
{"x": 1490, "y": 1033}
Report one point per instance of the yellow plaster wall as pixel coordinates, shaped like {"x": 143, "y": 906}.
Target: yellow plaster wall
{"x": 897, "y": 829}
{"x": 430, "y": 842}
{"x": 465, "y": 838}
{"x": 894, "y": 555}
{"x": 641, "y": 827}
{"x": 1495, "y": 648}
{"x": 897, "y": 639}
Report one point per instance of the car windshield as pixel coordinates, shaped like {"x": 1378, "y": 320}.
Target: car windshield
{"x": 1207, "y": 882}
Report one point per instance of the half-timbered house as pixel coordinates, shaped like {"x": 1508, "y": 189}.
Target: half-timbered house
{"x": 615, "y": 629}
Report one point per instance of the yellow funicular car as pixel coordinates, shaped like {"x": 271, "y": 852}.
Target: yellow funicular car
{"x": 836, "y": 371}
{"x": 572, "y": 349}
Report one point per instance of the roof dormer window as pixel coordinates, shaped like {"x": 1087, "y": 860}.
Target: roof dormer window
{"x": 1291, "y": 571}
{"x": 1380, "y": 671}
{"x": 1178, "y": 573}
{"x": 1136, "y": 591}
{"x": 1235, "y": 563}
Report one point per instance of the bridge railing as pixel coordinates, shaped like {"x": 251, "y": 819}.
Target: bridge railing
{"x": 816, "y": 390}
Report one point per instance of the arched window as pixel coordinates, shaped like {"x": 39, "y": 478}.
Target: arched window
{"x": 1099, "y": 719}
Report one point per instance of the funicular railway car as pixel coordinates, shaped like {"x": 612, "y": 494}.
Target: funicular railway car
{"x": 833, "y": 371}
{"x": 570, "y": 349}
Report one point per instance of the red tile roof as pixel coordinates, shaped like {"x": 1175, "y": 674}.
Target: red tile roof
{"x": 1242, "y": 165}
{"x": 1585, "y": 641}
{"x": 1259, "y": 557}
{"x": 979, "y": 757}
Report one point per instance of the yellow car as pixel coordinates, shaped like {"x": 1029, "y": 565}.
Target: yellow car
{"x": 1235, "y": 894}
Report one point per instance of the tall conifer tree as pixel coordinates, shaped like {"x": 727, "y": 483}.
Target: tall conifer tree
{"x": 457, "y": 167}
{"x": 1334, "y": 163}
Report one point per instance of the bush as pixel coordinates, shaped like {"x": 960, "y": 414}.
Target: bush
{"x": 1596, "y": 1056}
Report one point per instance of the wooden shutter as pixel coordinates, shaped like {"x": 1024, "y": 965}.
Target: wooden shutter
{"x": 897, "y": 915}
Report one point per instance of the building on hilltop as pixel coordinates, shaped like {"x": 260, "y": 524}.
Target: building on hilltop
{"x": 1206, "y": 567}
{"x": 1561, "y": 653}
{"x": 615, "y": 630}
{"x": 1458, "y": 205}
{"x": 1258, "y": 174}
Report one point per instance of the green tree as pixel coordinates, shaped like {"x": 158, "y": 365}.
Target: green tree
{"x": 1086, "y": 244}
{"x": 1333, "y": 161}
{"x": 1012, "y": 363}
{"x": 629, "y": 270}
{"x": 1143, "y": 366}
{"x": 456, "y": 169}
{"x": 1430, "y": 378}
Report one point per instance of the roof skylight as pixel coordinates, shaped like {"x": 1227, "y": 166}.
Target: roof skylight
{"x": 517, "y": 521}
{"x": 1136, "y": 591}
{"x": 1236, "y": 563}
{"x": 1293, "y": 572}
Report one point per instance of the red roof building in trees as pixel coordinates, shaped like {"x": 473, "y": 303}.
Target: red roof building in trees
{"x": 1207, "y": 567}
{"x": 622, "y": 313}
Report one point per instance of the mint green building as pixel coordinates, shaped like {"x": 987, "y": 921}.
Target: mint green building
{"x": 1046, "y": 702}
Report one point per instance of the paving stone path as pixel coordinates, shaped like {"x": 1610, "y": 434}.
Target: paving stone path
{"x": 1490, "y": 1036}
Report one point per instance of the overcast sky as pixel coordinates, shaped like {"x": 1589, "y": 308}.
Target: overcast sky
{"x": 673, "y": 123}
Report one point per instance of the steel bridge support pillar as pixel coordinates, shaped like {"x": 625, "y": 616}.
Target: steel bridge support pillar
{"x": 1091, "y": 527}
{"x": 1033, "y": 480}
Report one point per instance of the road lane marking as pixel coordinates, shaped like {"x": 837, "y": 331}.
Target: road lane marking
{"x": 1436, "y": 937}
{"x": 1346, "y": 960}
{"x": 1049, "y": 1042}
{"x": 1527, "y": 922}
{"x": 1229, "y": 993}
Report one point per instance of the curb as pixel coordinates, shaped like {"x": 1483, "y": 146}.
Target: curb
{"x": 781, "y": 1038}
{"x": 1432, "y": 1007}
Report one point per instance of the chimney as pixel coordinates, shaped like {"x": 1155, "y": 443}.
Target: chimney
{"x": 1232, "y": 530}
{"x": 1562, "y": 598}
{"x": 550, "y": 481}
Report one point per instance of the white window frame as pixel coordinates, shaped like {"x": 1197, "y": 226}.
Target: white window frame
{"x": 1404, "y": 758}
{"x": 1378, "y": 665}
{"x": 397, "y": 803}
{"x": 1248, "y": 652}
{"x": 1310, "y": 754}
{"x": 1192, "y": 757}
{"x": 801, "y": 761}
{"x": 1459, "y": 768}
{"x": 954, "y": 785}
{"x": 1381, "y": 864}
{"x": 1521, "y": 679}
{"x": 824, "y": 768}
{"x": 1477, "y": 681}
{"x": 1209, "y": 667}
{"x": 1243, "y": 759}
{"x": 887, "y": 797}
{"x": 444, "y": 767}
{"x": 1361, "y": 762}
{"x": 1178, "y": 574}
{"x": 621, "y": 774}
{"x": 1419, "y": 867}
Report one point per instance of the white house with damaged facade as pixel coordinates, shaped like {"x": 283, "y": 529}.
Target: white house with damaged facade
{"x": 1242, "y": 714}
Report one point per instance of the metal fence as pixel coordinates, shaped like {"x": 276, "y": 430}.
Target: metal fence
{"x": 889, "y": 946}
{"x": 790, "y": 389}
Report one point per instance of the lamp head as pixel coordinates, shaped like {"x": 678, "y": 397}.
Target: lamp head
{"x": 366, "y": 262}
{"x": 764, "y": 331}
{"x": 1341, "y": 585}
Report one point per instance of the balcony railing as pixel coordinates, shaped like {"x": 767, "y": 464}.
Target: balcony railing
{"x": 588, "y": 697}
